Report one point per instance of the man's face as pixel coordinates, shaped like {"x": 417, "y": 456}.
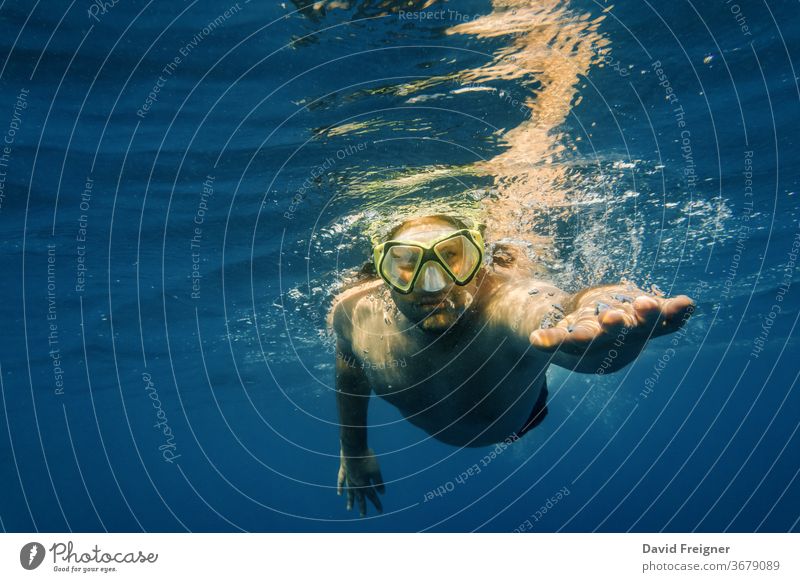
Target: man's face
{"x": 435, "y": 302}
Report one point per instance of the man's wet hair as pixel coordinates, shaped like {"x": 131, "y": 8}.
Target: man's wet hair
{"x": 503, "y": 254}
{"x": 456, "y": 223}
{"x": 368, "y": 271}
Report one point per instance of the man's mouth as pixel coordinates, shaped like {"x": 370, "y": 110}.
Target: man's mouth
{"x": 440, "y": 302}
{"x": 429, "y": 301}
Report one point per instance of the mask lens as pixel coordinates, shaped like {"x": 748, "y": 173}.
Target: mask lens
{"x": 400, "y": 264}
{"x": 460, "y": 255}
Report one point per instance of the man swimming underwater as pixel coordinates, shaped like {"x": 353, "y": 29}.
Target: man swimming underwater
{"x": 461, "y": 348}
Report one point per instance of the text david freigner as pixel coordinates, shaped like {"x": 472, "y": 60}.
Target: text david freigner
{"x": 685, "y": 549}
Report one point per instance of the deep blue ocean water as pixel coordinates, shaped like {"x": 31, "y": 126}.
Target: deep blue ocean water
{"x": 164, "y": 362}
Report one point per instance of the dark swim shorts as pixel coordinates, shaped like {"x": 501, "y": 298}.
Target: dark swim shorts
{"x": 537, "y": 414}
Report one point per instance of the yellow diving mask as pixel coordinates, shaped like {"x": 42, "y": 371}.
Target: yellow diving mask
{"x": 457, "y": 254}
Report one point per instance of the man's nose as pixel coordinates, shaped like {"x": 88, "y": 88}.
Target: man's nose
{"x": 432, "y": 278}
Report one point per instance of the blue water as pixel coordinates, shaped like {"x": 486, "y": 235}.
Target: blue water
{"x": 119, "y": 342}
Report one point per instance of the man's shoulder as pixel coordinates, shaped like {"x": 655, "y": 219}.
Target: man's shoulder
{"x": 512, "y": 257}
{"x": 345, "y": 304}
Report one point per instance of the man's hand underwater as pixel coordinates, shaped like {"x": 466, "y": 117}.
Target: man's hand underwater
{"x": 360, "y": 477}
{"x": 601, "y": 314}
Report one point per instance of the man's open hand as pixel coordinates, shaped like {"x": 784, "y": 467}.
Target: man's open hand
{"x": 360, "y": 476}
{"x": 602, "y": 314}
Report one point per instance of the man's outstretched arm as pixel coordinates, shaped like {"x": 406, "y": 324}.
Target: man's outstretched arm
{"x": 604, "y": 328}
{"x": 600, "y": 328}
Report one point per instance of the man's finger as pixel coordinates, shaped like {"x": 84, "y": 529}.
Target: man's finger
{"x": 647, "y": 310}
{"x": 340, "y": 481}
{"x": 370, "y": 492}
{"x": 614, "y": 319}
{"x": 677, "y": 309}
{"x": 674, "y": 313}
{"x": 548, "y": 340}
{"x": 377, "y": 479}
{"x": 349, "y": 498}
{"x": 362, "y": 503}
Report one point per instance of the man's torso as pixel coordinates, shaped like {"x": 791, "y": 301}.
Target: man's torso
{"x": 472, "y": 386}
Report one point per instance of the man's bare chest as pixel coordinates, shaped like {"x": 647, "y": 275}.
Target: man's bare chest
{"x": 416, "y": 370}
